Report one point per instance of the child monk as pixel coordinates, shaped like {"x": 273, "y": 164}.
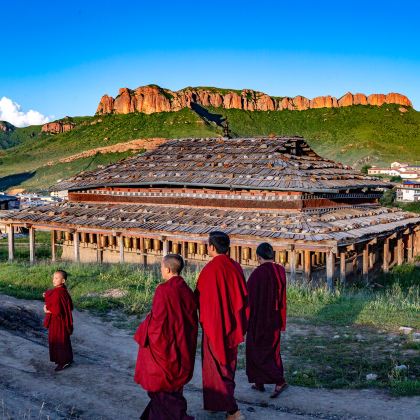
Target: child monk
{"x": 267, "y": 302}
{"x": 168, "y": 341}
{"x": 222, "y": 296}
{"x": 59, "y": 321}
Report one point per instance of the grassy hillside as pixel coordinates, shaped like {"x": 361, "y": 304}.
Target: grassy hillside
{"x": 18, "y": 136}
{"x": 42, "y": 178}
{"x": 353, "y": 135}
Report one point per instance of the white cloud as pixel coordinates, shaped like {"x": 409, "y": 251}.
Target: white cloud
{"x": 11, "y": 112}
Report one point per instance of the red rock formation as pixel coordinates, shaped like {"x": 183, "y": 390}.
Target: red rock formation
{"x": 324, "y": 102}
{"x": 152, "y": 98}
{"x": 301, "y": 103}
{"x": 123, "y": 103}
{"x": 397, "y": 98}
{"x": 232, "y": 100}
{"x": 149, "y": 99}
{"x": 57, "y": 127}
{"x": 377, "y": 99}
{"x": 360, "y": 99}
{"x": 106, "y": 105}
{"x": 349, "y": 99}
{"x": 286, "y": 103}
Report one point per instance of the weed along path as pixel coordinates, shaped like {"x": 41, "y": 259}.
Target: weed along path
{"x": 100, "y": 383}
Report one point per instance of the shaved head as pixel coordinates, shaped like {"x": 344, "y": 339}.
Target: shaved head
{"x": 174, "y": 263}
{"x": 62, "y": 273}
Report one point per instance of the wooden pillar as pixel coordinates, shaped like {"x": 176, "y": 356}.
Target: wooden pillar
{"x": 355, "y": 261}
{"x": 330, "y": 261}
{"x": 233, "y": 252}
{"x": 410, "y": 246}
{"x": 400, "y": 250}
{"x": 76, "y": 247}
{"x": 343, "y": 268}
{"x": 31, "y": 245}
{"x": 53, "y": 247}
{"x": 11, "y": 242}
{"x": 99, "y": 254}
{"x": 366, "y": 262}
{"x": 165, "y": 248}
{"x": 385, "y": 259}
{"x": 371, "y": 258}
{"x": 307, "y": 265}
{"x": 143, "y": 252}
{"x": 121, "y": 246}
{"x": 292, "y": 264}
{"x": 416, "y": 243}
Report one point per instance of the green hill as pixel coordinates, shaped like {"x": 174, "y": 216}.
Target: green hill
{"x": 353, "y": 135}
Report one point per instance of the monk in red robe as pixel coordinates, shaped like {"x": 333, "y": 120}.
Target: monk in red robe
{"x": 168, "y": 341}
{"x": 59, "y": 321}
{"x": 222, "y": 297}
{"x": 267, "y": 302}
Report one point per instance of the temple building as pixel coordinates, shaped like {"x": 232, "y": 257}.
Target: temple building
{"x": 323, "y": 218}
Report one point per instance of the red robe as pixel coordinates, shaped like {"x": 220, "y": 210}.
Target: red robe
{"x": 168, "y": 341}
{"x": 222, "y": 297}
{"x": 60, "y": 324}
{"x": 267, "y": 301}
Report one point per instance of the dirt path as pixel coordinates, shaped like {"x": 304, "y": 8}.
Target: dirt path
{"x": 100, "y": 384}
{"x": 137, "y": 144}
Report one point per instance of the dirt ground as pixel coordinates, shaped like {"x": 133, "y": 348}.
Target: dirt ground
{"x": 100, "y": 383}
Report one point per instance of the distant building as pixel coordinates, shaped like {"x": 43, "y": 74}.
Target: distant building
{"x": 63, "y": 195}
{"x": 399, "y": 165}
{"x": 8, "y": 202}
{"x": 35, "y": 200}
{"x": 403, "y": 170}
{"x": 374, "y": 170}
{"x": 409, "y": 191}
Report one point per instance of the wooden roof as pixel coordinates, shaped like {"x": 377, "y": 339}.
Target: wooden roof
{"x": 339, "y": 226}
{"x": 282, "y": 163}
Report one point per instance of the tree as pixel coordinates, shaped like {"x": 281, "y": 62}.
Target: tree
{"x": 365, "y": 169}
{"x": 388, "y": 198}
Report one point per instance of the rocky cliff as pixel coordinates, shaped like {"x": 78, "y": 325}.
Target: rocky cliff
{"x": 152, "y": 98}
{"x": 6, "y": 126}
{"x": 60, "y": 126}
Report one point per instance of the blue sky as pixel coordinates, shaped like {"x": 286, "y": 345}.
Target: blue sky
{"x": 60, "y": 57}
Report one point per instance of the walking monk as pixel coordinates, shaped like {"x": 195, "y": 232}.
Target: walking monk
{"x": 267, "y": 301}
{"x": 168, "y": 341}
{"x": 59, "y": 321}
{"x": 222, "y": 296}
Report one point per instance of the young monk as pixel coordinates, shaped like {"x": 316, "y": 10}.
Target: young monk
{"x": 267, "y": 301}
{"x": 222, "y": 297}
{"x": 168, "y": 341}
{"x": 59, "y": 321}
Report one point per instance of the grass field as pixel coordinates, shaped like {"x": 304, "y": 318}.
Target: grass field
{"x": 332, "y": 340}
{"x": 353, "y": 135}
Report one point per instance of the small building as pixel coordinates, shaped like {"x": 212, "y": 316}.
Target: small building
{"x": 8, "y": 202}
{"x": 399, "y": 165}
{"x": 374, "y": 170}
{"x": 409, "y": 191}
{"x": 403, "y": 172}
{"x": 61, "y": 195}
{"x": 323, "y": 218}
